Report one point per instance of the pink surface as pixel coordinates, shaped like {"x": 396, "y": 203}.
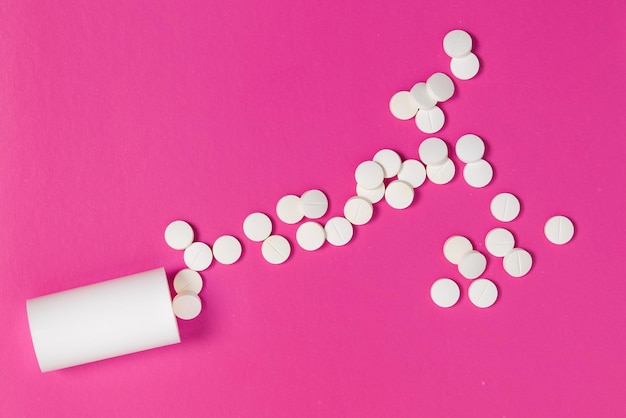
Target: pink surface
{"x": 117, "y": 119}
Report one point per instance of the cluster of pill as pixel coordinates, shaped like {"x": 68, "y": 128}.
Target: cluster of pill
{"x": 464, "y": 64}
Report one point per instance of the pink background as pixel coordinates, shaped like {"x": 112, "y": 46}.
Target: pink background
{"x": 119, "y": 117}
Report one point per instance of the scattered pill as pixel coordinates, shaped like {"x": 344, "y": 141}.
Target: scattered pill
{"x": 440, "y": 86}
{"x": 198, "y": 256}
{"x": 431, "y": 120}
{"x": 402, "y": 105}
{"x": 257, "y": 226}
{"x": 559, "y": 230}
{"x": 472, "y": 265}
{"x": 478, "y": 174}
{"x": 227, "y": 249}
{"x": 445, "y": 293}
{"x": 420, "y": 95}
{"x": 358, "y": 210}
{"x": 441, "y": 174}
{"x": 399, "y": 195}
{"x": 187, "y": 305}
{"x": 314, "y": 204}
{"x": 339, "y": 231}
{"x": 518, "y": 262}
{"x": 188, "y": 280}
{"x": 179, "y": 235}
{"x": 373, "y": 195}
{"x": 390, "y": 161}
{"x": 412, "y": 172}
{"x": 505, "y": 207}
{"x": 456, "y": 247}
{"x": 310, "y": 235}
{"x": 499, "y": 242}
{"x": 276, "y": 249}
{"x": 369, "y": 175}
{"x": 433, "y": 151}
{"x": 483, "y": 293}
{"x": 457, "y": 43}
{"x": 466, "y": 67}
{"x": 470, "y": 148}
{"x": 288, "y": 209}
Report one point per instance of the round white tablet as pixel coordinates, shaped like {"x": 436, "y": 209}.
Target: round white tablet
{"x": 465, "y": 68}
{"x": 472, "y": 265}
{"x": 399, "y": 195}
{"x": 505, "y": 207}
{"x": 456, "y": 247}
{"x": 412, "y": 172}
{"x": 187, "y": 305}
{"x": 227, "y": 249}
{"x": 441, "y": 174}
{"x": 421, "y": 97}
{"x": 310, "y": 236}
{"x": 445, "y": 293}
{"x": 257, "y": 226}
{"x": 440, "y": 86}
{"x": 339, "y": 231}
{"x": 559, "y": 230}
{"x": 433, "y": 151}
{"x": 314, "y": 204}
{"x": 499, "y": 242}
{"x": 369, "y": 175}
{"x": 358, "y": 210}
{"x": 288, "y": 209}
{"x": 373, "y": 195}
{"x": 457, "y": 43}
{"x": 431, "y": 120}
{"x": 390, "y": 161}
{"x": 470, "y": 148}
{"x": 518, "y": 262}
{"x": 188, "y": 280}
{"x": 402, "y": 105}
{"x": 483, "y": 293}
{"x": 198, "y": 256}
{"x": 276, "y": 249}
{"x": 478, "y": 174}
{"x": 179, "y": 235}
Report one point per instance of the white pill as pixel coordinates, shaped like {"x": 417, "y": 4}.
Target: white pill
{"x": 276, "y": 249}
{"x": 198, "y": 256}
{"x": 499, "y": 242}
{"x": 470, "y": 148}
{"x": 433, "y": 151}
{"x": 412, "y": 172}
{"x": 227, "y": 249}
{"x": 339, "y": 231}
{"x": 445, "y": 293}
{"x": 288, "y": 209}
{"x": 431, "y": 120}
{"x": 478, "y": 174}
{"x": 402, "y": 105}
{"x": 314, "y": 204}
{"x": 457, "y": 43}
{"x": 373, "y": 195}
{"x": 179, "y": 235}
{"x": 188, "y": 280}
{"x": 257, "y": 226}
{"x": 440, "y": 86}
{"x": 518, "y": 262}
{"x": 390, "y": 161}
{"x": 420, "y": 95}
{"x": 399, "y": 195}
{"x": 456, "y": 247}
{"x": 187, "y": 305}
{"x": 483, "y": 293}
{"x": 369, "y": 175}
{"x": 505, "y": 207}
{"x": 358, "y": 210}
{"x": 310, "y": 236}
{"x": 472, "y": 265}
{"x": 559, "y": 230}
{"x": 441, "y": 174}
{"x": 465, "y": 68}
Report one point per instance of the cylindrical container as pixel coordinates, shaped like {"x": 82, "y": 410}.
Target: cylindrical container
{"x": 102, "y": 320}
